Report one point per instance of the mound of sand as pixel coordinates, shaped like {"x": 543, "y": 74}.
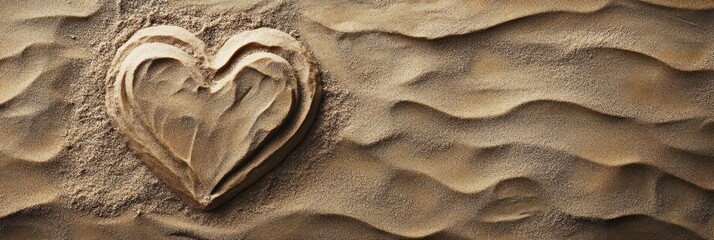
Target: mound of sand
{"x": 208, "y": 136}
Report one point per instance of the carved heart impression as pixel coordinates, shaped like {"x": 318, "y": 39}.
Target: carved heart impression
{"x": 211, "y": 126}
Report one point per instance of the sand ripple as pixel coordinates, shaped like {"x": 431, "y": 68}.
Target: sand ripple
{"x": 426, "y": 19}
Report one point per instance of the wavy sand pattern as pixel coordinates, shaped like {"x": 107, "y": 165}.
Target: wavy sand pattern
{"x": 568, "y": 120}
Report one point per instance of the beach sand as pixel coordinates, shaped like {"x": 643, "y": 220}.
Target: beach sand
{"x": 438, "y": 119}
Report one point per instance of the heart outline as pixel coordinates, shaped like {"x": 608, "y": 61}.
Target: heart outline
{"x": 272, "y": 44}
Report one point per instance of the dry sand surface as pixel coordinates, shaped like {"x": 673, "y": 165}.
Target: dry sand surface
{"x": 462, "y": 119}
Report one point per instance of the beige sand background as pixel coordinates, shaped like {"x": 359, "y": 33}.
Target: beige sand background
{"x": 441, "y": 119}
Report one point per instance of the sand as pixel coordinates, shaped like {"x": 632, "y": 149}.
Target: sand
{"x": 437, "y": 119}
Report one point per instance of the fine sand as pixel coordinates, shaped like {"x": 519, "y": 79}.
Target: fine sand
{"x": 585, "y": 119}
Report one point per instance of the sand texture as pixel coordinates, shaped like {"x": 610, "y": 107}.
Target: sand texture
{"x": 336, "y": 119}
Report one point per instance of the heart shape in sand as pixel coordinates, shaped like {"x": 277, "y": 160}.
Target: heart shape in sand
{"x": 211, "y": 126}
